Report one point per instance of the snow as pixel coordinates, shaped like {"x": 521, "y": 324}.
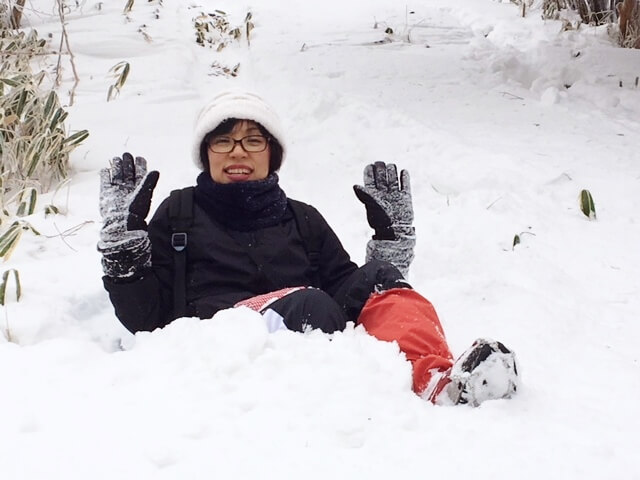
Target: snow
{"x": 501, "y": 122}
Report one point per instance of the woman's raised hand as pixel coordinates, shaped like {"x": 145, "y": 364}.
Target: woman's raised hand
{"x": 126, "y": 189}
{"x": 387, "y": 200}
{"x": 125, "y": 198}
{"x": 390, "y": 214}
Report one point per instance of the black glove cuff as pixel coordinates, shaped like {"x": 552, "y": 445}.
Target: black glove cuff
{"x": 126, "y": 259}
{"x": 394, "y": 232}
{"x": 125, "y": 264}
{"x": 384, "y": 233}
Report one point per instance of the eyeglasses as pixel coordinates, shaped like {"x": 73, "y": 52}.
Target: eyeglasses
{"x": 250, "y": 144}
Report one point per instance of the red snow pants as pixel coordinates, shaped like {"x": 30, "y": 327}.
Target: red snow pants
{"x": 405, "y": 316}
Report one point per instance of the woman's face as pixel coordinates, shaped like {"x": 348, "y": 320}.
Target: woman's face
{"x": 238, "y": 165}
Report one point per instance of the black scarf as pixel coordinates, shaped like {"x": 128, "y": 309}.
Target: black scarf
{"x": 242, "y": 206}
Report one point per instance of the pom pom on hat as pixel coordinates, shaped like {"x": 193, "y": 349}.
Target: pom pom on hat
{"x": 240, "y": 105}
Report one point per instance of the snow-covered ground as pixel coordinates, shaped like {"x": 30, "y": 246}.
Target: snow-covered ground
{"x": 501, "y": 121}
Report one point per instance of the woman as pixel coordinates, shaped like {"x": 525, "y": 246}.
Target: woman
{"x": 236, "y": 239}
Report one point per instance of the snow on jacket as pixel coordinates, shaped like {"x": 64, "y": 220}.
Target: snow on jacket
{"x": 220, "y": 271}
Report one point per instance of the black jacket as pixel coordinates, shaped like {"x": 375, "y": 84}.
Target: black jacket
{"x": 221, "y": 272}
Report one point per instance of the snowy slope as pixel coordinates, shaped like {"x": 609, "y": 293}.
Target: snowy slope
{"x": 500, "y": 120}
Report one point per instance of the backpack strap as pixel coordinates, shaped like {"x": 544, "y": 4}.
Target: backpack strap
{"x": 310, "y": 240}
{"x": 180, "y": 220}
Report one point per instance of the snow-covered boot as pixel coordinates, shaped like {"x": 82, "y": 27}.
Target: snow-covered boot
{"x": 486, "y": 371}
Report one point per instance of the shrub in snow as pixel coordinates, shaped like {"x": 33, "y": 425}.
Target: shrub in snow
{"x": 213, "y": 30}
{"x": 599, "y": 12}
{"x": 629, "y": 13}
{"x": 11, "y": 13}
{"x": 596, "y": 12}
{"x": 34, "y": 146}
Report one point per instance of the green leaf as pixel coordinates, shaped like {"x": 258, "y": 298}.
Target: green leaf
{"x": 21, "y": 101}
{"x": 7, "y": 81}
{"x": 35, "y": 153}
{"x": 77, "y": 137}
{"x": 124, "y": 75}
{"x": 9, "y": 241}
{"x": 4, "y": 283}
{"x": 50, "y": 210}
{"x": 587, "y": 205}
{"x": 3, "y": 289}
{"x": 14, "y": 226}
{"x": 49, "y": 103}
{"x": 33, "y": 197}
{"x": 58, "y": 117}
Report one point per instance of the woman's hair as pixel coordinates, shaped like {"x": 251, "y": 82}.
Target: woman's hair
{"x": 275, "y": 157}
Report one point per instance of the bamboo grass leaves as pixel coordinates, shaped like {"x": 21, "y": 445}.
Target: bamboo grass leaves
{"x": 34, "y": 144}
{"x": 34, "y": 147}
{"x": 120, "y": 72}
{"x": 214, "y": 31}
{"x": 10, "y": 238}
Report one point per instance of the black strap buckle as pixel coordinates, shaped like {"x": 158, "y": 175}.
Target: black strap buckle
{"x": 179, "y": 241}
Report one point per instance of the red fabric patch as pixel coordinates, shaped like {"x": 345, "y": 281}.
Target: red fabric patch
{"x": 259, "y": 303}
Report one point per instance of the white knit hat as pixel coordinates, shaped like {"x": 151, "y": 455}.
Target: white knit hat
{"x": 235, "y": 104}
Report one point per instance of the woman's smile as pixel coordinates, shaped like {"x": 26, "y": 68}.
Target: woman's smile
{"x": 238, "y": 165}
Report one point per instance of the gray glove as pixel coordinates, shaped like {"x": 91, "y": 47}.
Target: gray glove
{"x": 125, "y": 198}
{"x": 390, "y": 214}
